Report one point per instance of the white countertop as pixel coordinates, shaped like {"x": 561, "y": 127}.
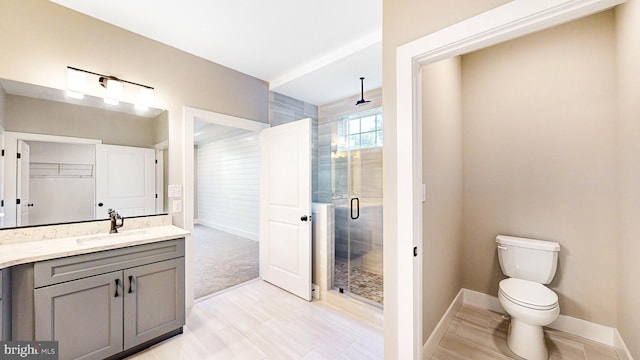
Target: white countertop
{"x": 31, "y": 251}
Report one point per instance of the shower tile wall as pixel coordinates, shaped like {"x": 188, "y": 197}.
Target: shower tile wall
{"x": 284, "y": 109}
{"x": 327, "y": 116}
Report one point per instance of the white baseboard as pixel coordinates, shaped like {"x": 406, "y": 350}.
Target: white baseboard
{"x": 482, "y": 300}
{"x": 437, "y": 334}
{"x": 586, "y": 329}
{"x": 230, "y": 230}
{"x": 621, "y": 348}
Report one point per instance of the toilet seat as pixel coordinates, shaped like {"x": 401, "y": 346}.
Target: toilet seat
{"x": 529, "y": 294}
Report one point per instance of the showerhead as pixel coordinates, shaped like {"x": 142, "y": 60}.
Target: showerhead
{"x": 362, "y": 101}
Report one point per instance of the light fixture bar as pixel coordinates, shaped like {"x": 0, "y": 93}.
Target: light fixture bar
{"x": 113, "y": 85}
{"x": 110, "y": 77}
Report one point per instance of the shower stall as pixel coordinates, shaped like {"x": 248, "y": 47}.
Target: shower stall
{"x": 350, "y": 177}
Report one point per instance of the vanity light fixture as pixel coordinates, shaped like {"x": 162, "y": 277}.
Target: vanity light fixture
{"x": 76, "y": 79}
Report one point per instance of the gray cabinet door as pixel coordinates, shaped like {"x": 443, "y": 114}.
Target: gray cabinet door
{"x": 84, "y": 316}
{"x": 154, "y": 300}
{"x": 1, "y": 322}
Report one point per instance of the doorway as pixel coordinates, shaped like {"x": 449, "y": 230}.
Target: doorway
{"x": 489, "y": 28}
{"x": 206, "y": 218}
{"x": 226, "y": 216}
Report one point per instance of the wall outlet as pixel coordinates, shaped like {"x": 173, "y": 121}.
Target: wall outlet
{"x": 177, "y": 206}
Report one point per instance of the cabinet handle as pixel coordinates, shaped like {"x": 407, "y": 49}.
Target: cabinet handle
{"x": 117, "y": 287}
{"x": 131, "y": 283}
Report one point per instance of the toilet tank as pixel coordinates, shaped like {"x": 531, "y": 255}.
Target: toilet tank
{"x": 528, "y": 259}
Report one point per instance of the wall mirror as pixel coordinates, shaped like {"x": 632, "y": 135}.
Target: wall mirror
{"x": 68, "y": 160}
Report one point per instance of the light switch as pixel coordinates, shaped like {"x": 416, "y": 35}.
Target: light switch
{"x": 174, "y": 191}
{"x": 177, "y": 206}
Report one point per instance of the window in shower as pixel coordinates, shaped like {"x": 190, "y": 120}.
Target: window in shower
{"x": 355, "y": 183}
{"x": 360, "y": 131}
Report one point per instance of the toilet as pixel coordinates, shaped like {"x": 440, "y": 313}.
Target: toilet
{"x": 529, "y": 264}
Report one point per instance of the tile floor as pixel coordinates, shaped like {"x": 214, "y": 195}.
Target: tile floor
{"x": 363, "y": 283}
{"x": 481, "y": 334}
{"x": 257, "y": 320}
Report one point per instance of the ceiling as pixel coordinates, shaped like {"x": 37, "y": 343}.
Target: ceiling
{"x": 206, "y": 132}
{"x": 312, "y": 50}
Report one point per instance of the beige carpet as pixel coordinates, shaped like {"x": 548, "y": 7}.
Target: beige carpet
{"x": 222, "y": 260}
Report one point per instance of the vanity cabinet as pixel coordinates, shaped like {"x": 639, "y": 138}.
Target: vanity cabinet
{"x": 110, "y": 303}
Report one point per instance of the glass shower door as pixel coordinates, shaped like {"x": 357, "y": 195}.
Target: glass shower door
{"x": 356, "y": 165}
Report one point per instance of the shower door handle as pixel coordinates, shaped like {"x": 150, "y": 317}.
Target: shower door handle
{"x": 357, "y": 208}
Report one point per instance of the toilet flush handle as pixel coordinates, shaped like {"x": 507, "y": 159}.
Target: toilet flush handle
{"x": 503, "y": 247}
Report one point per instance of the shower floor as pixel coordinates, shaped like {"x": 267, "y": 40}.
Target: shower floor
{"x": 364, "y": 284}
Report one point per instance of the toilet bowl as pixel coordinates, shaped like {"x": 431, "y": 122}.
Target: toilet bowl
{"x": 531, "y": 306}
{"x": 529, "y": 264}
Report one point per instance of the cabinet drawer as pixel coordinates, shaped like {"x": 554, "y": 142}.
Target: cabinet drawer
{"x": 56, "y": 271}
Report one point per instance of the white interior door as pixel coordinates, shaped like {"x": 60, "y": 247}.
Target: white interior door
{"x": 285, "y": 207}
{"x": 23, "y": 184}
{"x": 125, "y": 180}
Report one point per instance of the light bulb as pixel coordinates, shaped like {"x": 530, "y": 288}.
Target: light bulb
{"x": 145, "y": 100}
{"x": 114, "y": 92}
{"x": 76, "y": 82}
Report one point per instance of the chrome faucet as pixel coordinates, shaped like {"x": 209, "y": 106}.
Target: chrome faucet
{"x": 114, "y": 221}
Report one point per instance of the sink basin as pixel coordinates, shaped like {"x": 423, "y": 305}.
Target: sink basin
{"x": 105, "y": 239}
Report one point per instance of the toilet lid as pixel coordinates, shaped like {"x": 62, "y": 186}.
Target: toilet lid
{"x": 528, "y": 294}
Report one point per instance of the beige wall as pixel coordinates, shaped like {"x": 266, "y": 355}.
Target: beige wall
{"x": 540, "y": 159}
{"x": 38, "y": 39}
{"x": 404, "y": 21}
{"x": 30, "y": 115}
{"x": 442, "y": 175}
{"x": 628, "y": 32}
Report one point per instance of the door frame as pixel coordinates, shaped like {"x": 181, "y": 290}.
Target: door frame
{"x": 506, "y": 22}
{"x": 190, "y": 115}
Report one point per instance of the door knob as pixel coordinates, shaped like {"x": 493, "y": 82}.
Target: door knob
{"x": 305, "y": 218}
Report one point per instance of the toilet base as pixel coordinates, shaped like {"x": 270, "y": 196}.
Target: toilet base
{"x": 527, "y": 341}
